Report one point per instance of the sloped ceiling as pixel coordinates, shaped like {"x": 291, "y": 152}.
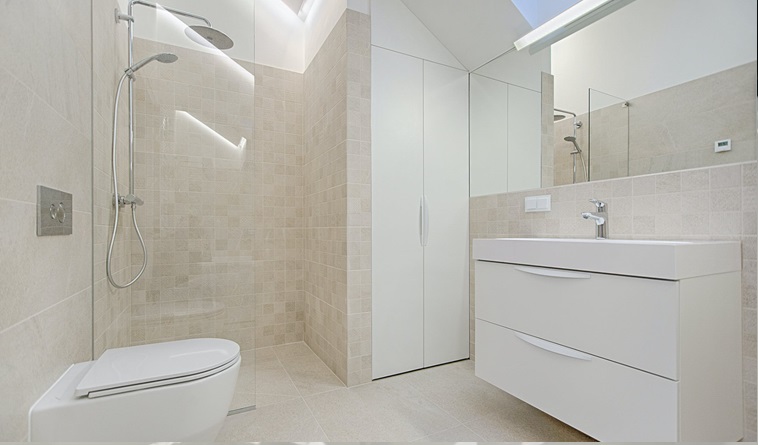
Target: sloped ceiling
{"x": 294, "y": 5}
{"x": 475, "y": 31}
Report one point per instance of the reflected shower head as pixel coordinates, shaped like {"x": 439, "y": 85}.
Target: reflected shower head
{"x": 572, "y": 139}
{"x": 209, "y": 37}
{"x": 162, "y": 58}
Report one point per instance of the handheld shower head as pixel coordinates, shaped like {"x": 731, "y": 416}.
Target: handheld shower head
{"x": 162, "y": 58}
{"x": 572, "y": 139}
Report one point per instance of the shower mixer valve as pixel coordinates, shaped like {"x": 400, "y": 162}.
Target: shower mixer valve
{"x": 129, "y": 199}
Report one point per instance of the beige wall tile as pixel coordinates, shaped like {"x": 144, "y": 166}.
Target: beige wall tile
{"x": 37, "y": 351}
{"x": 337, "y": 200}
{"x": 46, "y": 129}
{"x": 112, "y": 307}
{"x": 59, "y": 73}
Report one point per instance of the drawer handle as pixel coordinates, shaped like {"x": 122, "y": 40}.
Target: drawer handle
{"x": 552, "y": 347}
{"x": 553, "y": 273}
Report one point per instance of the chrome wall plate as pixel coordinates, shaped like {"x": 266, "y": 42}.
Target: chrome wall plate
{"x": 55, "y": 212}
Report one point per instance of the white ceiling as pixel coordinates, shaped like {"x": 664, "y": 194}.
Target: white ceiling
{"x": 475, "y": 31}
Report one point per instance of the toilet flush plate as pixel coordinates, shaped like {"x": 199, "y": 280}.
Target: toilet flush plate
{"x": 55, "y": 213}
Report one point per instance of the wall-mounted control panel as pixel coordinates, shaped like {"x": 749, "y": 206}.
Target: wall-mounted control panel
{"x": 722, "y": 146}
{"x": 55, "y": 214}
{"x": 538, "y": 204}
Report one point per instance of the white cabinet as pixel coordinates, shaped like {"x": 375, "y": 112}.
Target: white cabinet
{"x": 621, "y": 358}
{"x": 420, "y": 213}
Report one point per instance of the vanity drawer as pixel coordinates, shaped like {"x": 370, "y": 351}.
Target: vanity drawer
{"x": 633, "y": 321}
{"x": 606, "y": 400}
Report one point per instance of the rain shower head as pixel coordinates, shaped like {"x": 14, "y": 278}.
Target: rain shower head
{"x": 209, "y": 37}
{"x": 559, "y": 117}
{"x": 162, "y": 58}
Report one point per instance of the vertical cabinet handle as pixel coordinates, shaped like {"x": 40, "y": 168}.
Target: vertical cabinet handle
{"x": 425, "y": 240}
{"x": 421, "y": 221}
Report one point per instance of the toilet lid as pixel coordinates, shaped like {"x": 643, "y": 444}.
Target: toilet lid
{"x": 137, "y": 365}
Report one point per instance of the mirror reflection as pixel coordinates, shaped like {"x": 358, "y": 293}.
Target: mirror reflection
{"x": 656, "y": 86}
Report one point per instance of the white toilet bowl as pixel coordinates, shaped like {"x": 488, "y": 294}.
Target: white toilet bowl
{"x": 169, "y": 392}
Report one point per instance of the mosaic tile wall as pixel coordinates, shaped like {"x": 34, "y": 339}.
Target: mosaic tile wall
{"x": 358, "y": 198}
{"x": 717, "y": 203}
{"x": 196, "y": 163}
{"x": 278, "y": 207}
{"x": 325, "y": 198}
{"x": 337, "y": 171}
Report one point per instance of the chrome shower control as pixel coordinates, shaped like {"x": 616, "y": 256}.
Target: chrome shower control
{"x": 128, "y": 200}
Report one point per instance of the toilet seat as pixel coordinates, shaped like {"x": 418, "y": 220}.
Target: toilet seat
{"x": 136, "y": 368}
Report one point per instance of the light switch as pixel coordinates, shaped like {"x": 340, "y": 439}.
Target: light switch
{"x": 537, "y": 204}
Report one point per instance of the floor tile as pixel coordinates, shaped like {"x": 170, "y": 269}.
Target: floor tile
{"x": 266, "y": 358}
{"x": 244, "y": 392}
{"x": 275, "y": 381}
{"x": 299, "y": 399}
{"x": 386, "y": 411}
{"x": 290, "y": 421}
{"x": 525, "y": 424}
{"x": 308, "y": 373}
{"x": 460, "y": 433}
{"x": 293, "y": 350}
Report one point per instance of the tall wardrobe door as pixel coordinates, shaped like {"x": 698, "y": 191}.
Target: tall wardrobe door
{"x": 446, "y": 187}
{"x": 397, "y": 167}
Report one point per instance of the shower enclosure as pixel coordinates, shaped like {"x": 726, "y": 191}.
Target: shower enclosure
{"x": 184, "y": 150}
{"x": 578, "y": 159}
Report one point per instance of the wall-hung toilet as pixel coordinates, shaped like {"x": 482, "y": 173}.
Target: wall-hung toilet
{"x": 175, "y": 391}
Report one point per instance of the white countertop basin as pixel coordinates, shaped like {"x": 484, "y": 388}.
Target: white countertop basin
{"x": 667, "y": 260}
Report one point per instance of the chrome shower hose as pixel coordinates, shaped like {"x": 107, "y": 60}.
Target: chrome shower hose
{"x": 117, "y": 203}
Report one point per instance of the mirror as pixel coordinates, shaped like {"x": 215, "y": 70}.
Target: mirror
{"x": 657, "y": 86}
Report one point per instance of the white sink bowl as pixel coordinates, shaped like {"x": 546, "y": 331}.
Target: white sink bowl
{"x": 666, "y": 260}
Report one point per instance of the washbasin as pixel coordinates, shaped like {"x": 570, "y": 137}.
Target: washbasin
{"x": 666, "y": 260}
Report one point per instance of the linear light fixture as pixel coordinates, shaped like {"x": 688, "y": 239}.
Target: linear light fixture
{"x": 210, "y": 131}
{"x": 568, "y": 22}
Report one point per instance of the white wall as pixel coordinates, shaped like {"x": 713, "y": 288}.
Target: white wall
{"x": 651, "y": 45}
{"x": 475, "y": 31}
{"x": 319, "y": 24}
{"x": 267, "y": 32}
{"x": 519, "y": 68}
{"x": 395, "y": 27}
{"x": 279, "y": 36}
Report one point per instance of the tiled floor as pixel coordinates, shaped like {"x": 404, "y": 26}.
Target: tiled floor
{"x": 300, "y": 400}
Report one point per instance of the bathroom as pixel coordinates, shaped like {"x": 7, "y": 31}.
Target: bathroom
{"x": 301, "y": 192}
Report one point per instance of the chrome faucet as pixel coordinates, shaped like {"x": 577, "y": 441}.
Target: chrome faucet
{"x": 600, "y": 218}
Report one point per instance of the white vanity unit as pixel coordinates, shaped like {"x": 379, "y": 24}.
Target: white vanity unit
{"x": 627, "y": 341}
